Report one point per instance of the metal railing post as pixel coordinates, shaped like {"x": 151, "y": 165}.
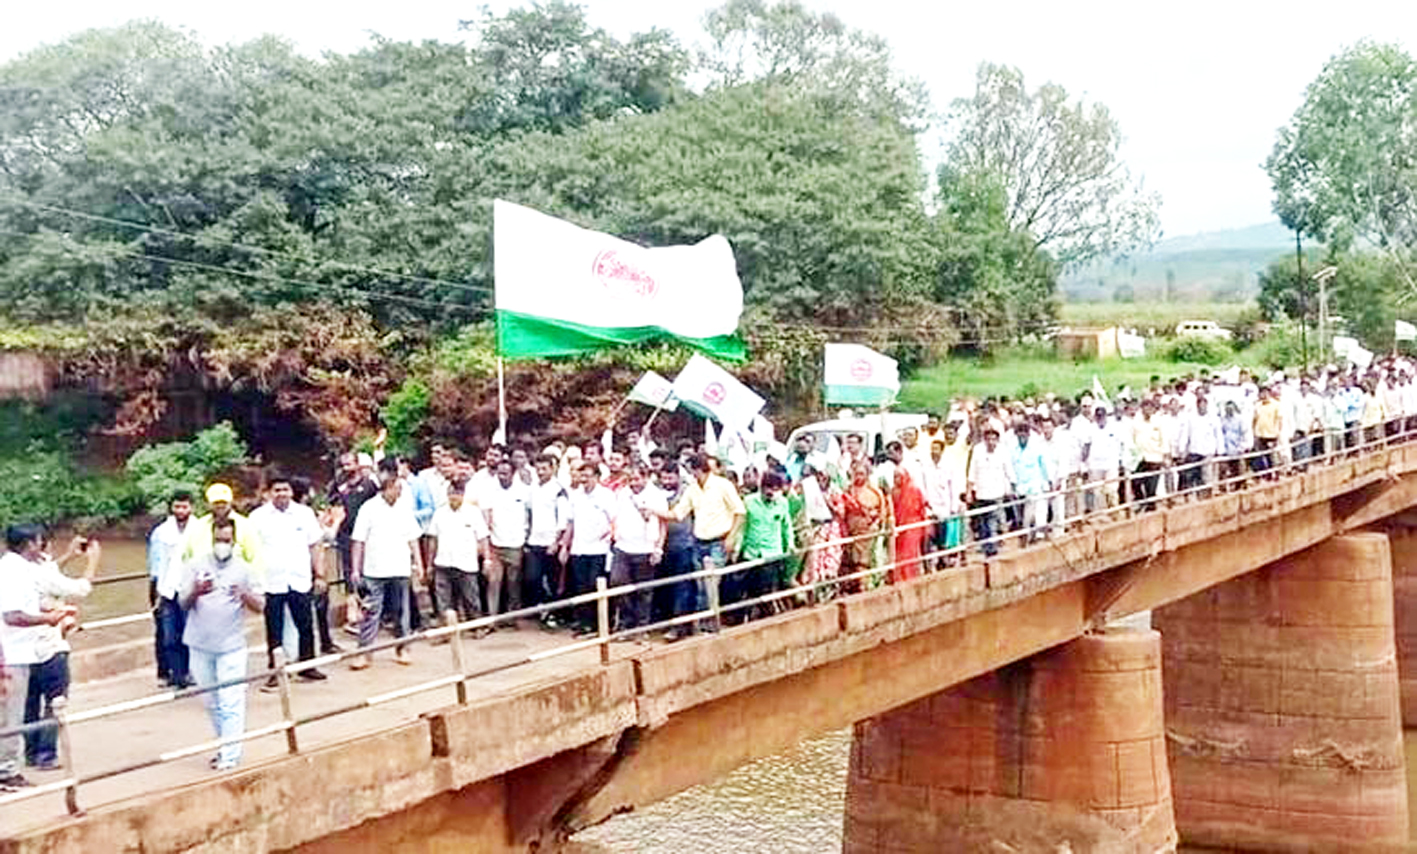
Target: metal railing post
{"x": 60, "y": 708}
{"x": 711, "y": 588}
{"x": 602, "y": 618}
{"x": 292, "y": 744}
{"x": 459, "y": 661}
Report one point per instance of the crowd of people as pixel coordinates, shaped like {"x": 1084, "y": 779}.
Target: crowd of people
{"x": 510, "y": 528}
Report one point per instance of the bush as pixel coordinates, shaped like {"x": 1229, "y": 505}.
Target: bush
{"x": 41, "y": 485}
{"x": 1193, "y": 349}
{"x": 1282, "y": 347}
{"x": 159, "y": 470}
{"x": 405, "y": 413}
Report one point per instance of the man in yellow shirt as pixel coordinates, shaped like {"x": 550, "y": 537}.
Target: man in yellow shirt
{"x": 197, "y": 541}
{"x": 1267, "y": 429}
{"x": 718, "y": 513}
{"x": 1150, "y": 440}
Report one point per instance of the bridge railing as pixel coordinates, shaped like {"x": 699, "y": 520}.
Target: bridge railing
{"x": 709, "y": 613}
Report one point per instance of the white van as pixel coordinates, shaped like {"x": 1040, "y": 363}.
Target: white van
{"x": 867, "y": 425}
{"x": 1208, "y": 329}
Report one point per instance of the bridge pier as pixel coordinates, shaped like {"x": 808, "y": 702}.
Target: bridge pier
{"x": 1065, "y": 746}
{"x": 1402, "y": 535}
{"x": 1282, "y": 710}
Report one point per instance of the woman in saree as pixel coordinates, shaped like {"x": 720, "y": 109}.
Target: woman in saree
{"x": 822, "y": 510}
{"x": 865, "y": 513}
{"x": 910, "y": 514}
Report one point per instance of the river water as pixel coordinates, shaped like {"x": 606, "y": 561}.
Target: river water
{"x": 789, "y": 803}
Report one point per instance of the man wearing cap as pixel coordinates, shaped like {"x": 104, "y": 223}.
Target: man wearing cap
{"x": 350, "y": 489}
{"x": 198, "y": 540}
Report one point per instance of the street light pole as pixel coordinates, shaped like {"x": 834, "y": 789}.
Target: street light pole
{"x": 1322, "y": 278}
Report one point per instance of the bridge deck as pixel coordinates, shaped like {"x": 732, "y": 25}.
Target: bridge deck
{"x": 136, "y": 736}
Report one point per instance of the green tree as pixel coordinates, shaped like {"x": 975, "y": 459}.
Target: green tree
{"x": 1060, "y": 164}
{"x": 1345, "y": 167}
{"x": 1002, "y": 285}
{"x": 1284, "y": 294}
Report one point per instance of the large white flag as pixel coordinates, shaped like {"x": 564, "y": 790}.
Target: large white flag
{"x": 856, "y": 375}
{"x": 714, "y": 393}
{"x": 654, "y": 390}
{"x": 562, "y": 289}
{"x": 1405, "y": 331}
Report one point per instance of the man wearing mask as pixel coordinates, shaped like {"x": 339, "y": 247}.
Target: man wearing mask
{"x": 218, "y": 588}
{"x": 220, "y": 504}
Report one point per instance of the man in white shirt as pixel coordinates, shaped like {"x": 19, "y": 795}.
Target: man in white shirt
{"x": 164, "y": 571}
{"x": 1203, "y": 445}
{"x": 384, "y": 555}
{"x": 550, "y": 511}
{"x": 506, "y": 506}
{"x": 990, "y": 482}
{"x": 289, "y": 534}
{"x": 1103, "y": 458}
{"x": 459, "y": 533}
{"x": 22, "y": 610}
{"x": 49, "y": 676}
{"x": 586, "y": 546}
{"x": 638, "y": 536}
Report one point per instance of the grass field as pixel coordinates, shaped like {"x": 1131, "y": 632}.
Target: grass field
{"x": 1161, "y": 316}
{"x": 1022, "y": 374}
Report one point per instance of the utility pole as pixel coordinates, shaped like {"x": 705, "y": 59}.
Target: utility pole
{"x": 1322, "y": 278}
{"x": 1303, "y": 296}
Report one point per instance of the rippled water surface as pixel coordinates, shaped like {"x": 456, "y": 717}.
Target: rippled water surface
{"x": 790, "y": 803}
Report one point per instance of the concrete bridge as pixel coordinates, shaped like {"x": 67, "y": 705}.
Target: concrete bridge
{"x": 990, "y": 703}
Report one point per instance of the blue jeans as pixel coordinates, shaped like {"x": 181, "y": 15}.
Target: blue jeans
{"x": 989, "y": 524}
{"x": 171, "y": 620}
{"x": 390, "y": 592}
{"x": 688, "y": 596}
{"x": 226, "y": 706}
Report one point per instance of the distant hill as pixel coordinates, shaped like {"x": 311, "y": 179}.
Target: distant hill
{"x": 1217, "y": 266}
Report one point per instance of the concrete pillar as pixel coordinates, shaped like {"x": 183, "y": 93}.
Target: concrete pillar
{"x": 1063, "y": 749}
{"x": 1403, "y": 539}
{"x": 1282, "y": 711}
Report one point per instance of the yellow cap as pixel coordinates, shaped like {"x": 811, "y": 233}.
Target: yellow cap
{"x": 219, "y": 492}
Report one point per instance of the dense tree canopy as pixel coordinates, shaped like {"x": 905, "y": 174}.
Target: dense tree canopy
{"x": 202, "y": 191}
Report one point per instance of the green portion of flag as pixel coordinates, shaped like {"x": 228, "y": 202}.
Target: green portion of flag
{"x": 857, "y": 395}
{"x": 526, "y": 336}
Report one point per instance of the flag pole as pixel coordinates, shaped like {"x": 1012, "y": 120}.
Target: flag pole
{"x": 655, "y": 414}
{"x": 501, "y": 400}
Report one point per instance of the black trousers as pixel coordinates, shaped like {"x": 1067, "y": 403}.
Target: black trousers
{"x": 539, "y": 578}
{"x": 49, "y": 680}
{"x": 299, "y": 604}
{"x": 584, "y": 569}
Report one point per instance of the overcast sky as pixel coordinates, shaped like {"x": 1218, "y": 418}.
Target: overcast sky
{"x": 1199, "y": 88}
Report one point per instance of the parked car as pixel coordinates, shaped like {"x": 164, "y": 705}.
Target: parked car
{"x": 876, "y": 430}
{"x": 1202, "y": 329}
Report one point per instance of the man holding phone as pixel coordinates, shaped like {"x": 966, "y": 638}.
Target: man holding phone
{"x": 218, "y": 587}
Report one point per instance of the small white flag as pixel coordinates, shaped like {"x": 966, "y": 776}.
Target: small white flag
{"x": 1405, "y": 331}
{"x": 654, "y": 390}
{"x": 712, "y": 392}
{"x": 1099, "y": 394}
{"x": 856, "y": 375}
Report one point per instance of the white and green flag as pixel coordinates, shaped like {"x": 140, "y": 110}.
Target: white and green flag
{"x": 856, "y": 375}
{"x": 654, "y": 390}
{"x": 1404, "y": 331}
{"x": 562, "y": 289}
{"x": 712, "y": 392}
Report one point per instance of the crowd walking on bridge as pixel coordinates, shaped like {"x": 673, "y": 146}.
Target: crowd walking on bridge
{"x": 511, "y": 528}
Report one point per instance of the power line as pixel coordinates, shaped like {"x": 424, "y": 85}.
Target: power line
{"x": 375, "y": 271}
{"x": 267, "y": 277}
